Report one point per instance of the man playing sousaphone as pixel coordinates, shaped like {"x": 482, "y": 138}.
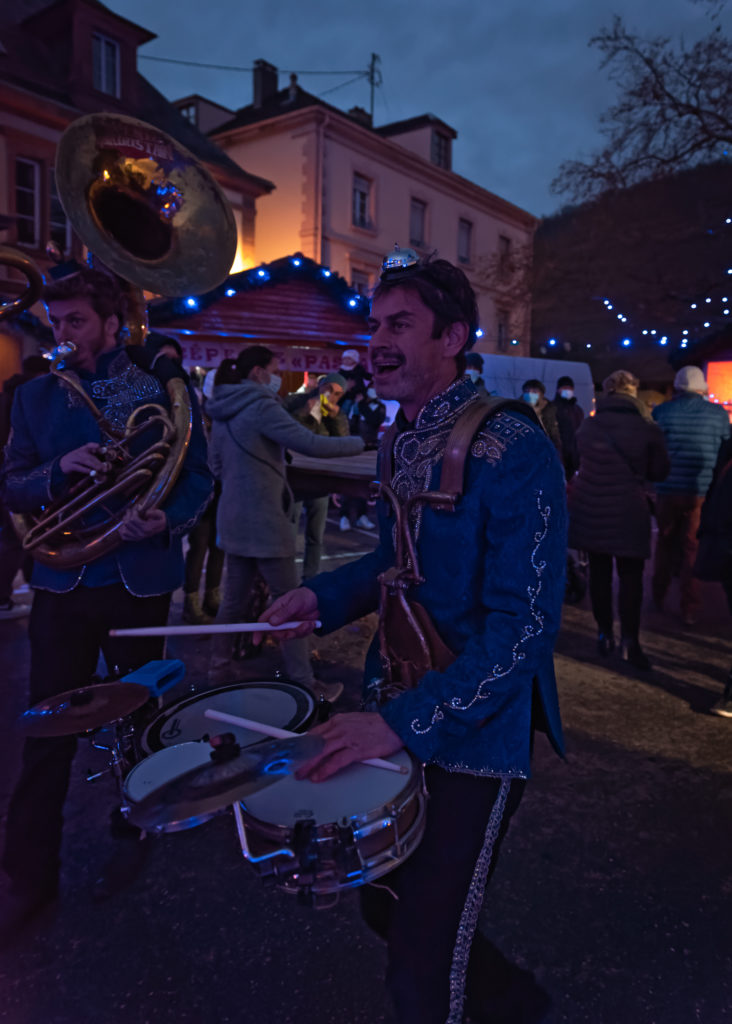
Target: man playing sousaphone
{"x": 469, "y": 578}
{"x": 55, "y": 442}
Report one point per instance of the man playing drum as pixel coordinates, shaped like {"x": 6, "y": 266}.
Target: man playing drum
{"x": 55, "y": 442}
{"x": 490, "y": 577}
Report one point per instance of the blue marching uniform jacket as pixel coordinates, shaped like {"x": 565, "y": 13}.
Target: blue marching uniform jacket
{"x": 49, "y": 420}
{"x": 494, "y": 584}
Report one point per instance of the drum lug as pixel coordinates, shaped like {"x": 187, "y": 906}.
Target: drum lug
{"x": 305, "y": 844}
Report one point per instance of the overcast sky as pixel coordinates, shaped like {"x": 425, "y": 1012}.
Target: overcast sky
{"x": 515, "y": 78}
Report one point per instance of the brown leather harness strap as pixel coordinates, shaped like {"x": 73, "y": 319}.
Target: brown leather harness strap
{"x": 452, "y": 477}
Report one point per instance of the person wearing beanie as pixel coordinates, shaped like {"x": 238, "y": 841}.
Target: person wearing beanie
{"x": 317, "y": 410}
{"x": 569, "y": 420}
{"x": 162, "y": 345}
{"x": 356, "y": 380}
{"x": 695, "y": 429}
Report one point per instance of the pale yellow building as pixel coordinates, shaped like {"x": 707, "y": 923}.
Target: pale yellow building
{"x": 346, "y": 192}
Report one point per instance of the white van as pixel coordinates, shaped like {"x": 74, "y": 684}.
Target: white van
{"x": 504, "y": 375}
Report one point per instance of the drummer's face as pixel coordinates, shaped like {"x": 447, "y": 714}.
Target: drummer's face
{"x": 75, "y": 321}
{"x": 409, "y": 364}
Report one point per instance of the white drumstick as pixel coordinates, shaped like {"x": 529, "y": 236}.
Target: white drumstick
{"x": 217, "y": 627}
{"x": 283, "y": 734}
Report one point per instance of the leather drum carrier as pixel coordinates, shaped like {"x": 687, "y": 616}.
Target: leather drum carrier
{"x": 409, "y": 643}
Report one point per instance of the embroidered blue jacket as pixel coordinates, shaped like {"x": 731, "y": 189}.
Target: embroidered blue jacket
{"x": 494, "y": 583}
{"x": 49, "y": 420}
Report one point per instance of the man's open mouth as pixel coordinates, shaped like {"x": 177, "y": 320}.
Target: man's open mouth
{"x": 386, "y": 363}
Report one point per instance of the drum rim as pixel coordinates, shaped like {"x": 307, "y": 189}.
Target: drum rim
{"x": 411, "y": 783}
{"x": 283, "y": 685}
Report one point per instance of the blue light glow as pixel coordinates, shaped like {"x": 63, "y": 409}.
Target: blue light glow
{"x": 230, "y": 292}
{"x": 296, "y": 263}
{"x": 692, "y": 306}
{"x": 684, "y": 332}
{"x": 514, "y": 341}
{"x": 191, "y": 302}
{"x": 262, "y": 272}
{"x": 663, "y": 340}
{"x": 325, "y": 272}
{"x": 479, "y": 333}
{"x": 706, "y": 323}
{"x": 552, "y": 342}
{"x": 352, "y": 302}
{"x": 627, "y": 342}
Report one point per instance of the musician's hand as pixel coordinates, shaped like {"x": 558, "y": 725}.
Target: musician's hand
{"x": 85, "y": 460}
{"x": 349, "y": 738}
{"x": 141, "y": 525}
{"x": 296, "y": 605}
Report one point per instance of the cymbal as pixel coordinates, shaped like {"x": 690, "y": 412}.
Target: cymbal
{"x": 77, "y": 711}
{"x": 221, "y": 781}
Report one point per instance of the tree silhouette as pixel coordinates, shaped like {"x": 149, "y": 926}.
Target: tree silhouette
{"x": 674, "y": 110}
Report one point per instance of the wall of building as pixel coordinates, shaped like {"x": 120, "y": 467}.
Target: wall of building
{"x": 312, "y": 158}
{"x": 282, "y": 215}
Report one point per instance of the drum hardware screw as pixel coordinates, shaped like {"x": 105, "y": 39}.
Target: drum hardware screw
{"x": 225, "y": 747}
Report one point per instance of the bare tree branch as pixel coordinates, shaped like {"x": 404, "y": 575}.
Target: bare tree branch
{"x": 674, "y": 110}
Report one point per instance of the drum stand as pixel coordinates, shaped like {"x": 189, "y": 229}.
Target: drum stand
{"x": 118, "y": 750}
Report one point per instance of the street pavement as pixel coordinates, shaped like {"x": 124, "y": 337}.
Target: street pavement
{"x": 614, "y": 884}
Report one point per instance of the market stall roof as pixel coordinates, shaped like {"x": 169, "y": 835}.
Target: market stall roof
{"x": 292, "y": 300}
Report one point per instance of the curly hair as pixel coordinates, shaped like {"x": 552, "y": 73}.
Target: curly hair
{"x": 101, "y": 290}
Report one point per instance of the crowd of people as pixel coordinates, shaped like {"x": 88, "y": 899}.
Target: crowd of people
{"x": 466, "y": 704}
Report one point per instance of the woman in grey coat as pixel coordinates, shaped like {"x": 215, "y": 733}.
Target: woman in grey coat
{"x": 621, "y": 450}
{"x": 250, "y": 431}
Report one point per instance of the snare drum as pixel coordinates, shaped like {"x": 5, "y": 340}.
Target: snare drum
{"x": 282, "y": 704}
{"x": 317, "y": 838}
{"x": 161, "y": 767}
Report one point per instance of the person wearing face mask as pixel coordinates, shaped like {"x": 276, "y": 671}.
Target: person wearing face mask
{"x": 533, "y": 393}
{"x": 250, "y": 431}
{"x": 569, "y": 419}
{"x": 366, "y": 422}
{"x": 474, "y": 370}
{"x": 356, "y": 380}
{"x": 318, "y": 410}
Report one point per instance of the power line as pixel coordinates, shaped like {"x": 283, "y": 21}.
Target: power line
{"x": 342, "y": 85}
{"x": 230, "y": 67}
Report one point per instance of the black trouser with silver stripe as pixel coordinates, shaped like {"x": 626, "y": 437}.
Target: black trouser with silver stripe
{"x": 432, "y": 887}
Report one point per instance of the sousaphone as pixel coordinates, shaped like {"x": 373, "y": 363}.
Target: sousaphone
{"x": 153, "y": 215}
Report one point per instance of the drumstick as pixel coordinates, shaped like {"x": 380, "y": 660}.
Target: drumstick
{"x": 283, "y": 734}
{"x": 217, "y": 627}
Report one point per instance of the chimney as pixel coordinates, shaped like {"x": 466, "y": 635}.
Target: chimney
{"x": 265, "y": 82}
{"x": 361, "y": 116}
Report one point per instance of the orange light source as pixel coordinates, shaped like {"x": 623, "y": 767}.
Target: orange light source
{"x": 719, "y": 383}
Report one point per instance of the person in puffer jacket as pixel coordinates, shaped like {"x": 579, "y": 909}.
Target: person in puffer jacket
{"x": 694, "y": 429}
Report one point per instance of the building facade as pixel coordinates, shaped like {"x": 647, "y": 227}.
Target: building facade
{"x": 59, "y": 60}
{"x": 346, "y": 192}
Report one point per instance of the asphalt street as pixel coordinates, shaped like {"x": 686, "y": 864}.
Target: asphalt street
{"x": 614, "y": 885}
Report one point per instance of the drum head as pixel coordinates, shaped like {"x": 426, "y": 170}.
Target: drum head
{"x": 284, "y": 705}
{"x": 353, "y": 793}
{"x": 161, "y": 767}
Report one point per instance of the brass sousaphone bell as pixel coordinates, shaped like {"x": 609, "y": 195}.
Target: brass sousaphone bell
{"x": 154, "y": 216}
